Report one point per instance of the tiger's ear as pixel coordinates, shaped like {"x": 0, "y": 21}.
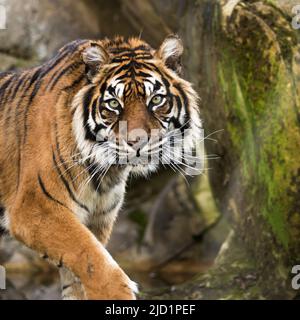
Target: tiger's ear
{"x": 171, "y": 52}
{"x": 94, "y": 57}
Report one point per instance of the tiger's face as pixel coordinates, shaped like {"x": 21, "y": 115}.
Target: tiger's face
{"x": 136, "y": 111}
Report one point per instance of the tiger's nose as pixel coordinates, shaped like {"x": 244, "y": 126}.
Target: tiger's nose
{"x": 132, "y": 143}
{"x": 137, "y": 143}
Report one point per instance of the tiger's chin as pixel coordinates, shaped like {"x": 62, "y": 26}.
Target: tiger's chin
{"x": 143, "y": 169}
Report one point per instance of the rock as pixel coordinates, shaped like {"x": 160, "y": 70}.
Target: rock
{"x": 8, "y": 62}
{"x": 36, "y": 29}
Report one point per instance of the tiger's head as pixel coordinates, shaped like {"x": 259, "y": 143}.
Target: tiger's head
{"x": 136, "y": 111}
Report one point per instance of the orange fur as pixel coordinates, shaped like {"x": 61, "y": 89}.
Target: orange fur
{"x": 40, "y": 168}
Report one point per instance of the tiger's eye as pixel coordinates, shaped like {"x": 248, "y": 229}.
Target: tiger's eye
{"x": 156, "y": 99}
{"x": 113, "y": 103}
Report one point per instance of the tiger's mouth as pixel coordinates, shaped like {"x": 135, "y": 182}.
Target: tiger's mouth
{"x": 149, "y": 156}
{"x": 139, "y": 156}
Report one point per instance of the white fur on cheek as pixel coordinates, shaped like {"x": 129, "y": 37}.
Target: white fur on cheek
{"x": 85, "y": 147}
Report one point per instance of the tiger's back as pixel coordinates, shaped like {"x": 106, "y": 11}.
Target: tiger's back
{"x": 27, "y": 99}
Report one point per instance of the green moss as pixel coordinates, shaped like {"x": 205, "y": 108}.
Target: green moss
{"x": 260, "y": 106}
{"x": 204, "y": 200}
{"x": 233, "y": 277}
{"x": 140, "y": 218}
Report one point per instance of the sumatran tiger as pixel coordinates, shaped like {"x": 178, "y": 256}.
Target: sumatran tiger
{"x": 65, "y": 159}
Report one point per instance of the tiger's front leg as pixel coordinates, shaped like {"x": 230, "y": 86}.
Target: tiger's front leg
{"x": 55, "y": 232}
{"x": 71, "y": 286}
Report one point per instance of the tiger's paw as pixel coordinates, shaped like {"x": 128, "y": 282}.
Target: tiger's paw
{"x": 115, "y": 286}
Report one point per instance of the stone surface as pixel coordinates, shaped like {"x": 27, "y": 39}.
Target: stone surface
{"x": 35, "y": 29}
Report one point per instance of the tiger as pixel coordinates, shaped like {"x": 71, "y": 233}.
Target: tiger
{"x": 65, "y": 158}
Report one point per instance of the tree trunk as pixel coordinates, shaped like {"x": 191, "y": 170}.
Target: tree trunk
{"x": 243, "y": 58}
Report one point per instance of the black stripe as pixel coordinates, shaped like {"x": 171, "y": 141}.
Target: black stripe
{"x": 60, "y": 264}
{"x": 186, "y": 107}
{"x": 66, "y": 51}
{"x": 142, "y": 47}
{"x": 32, "y": 96}
{"x": 181, "y": 91}
{"x": 143, "y": 74}
{"x": 18, "y": 134}
{"x": 4, "y": 87}
{"x": 35, "y": 91}
{"x": 26, "y": 78}
{"x": 21, "y": 80}
{"x": 60, "y": 157}
{"x": 3, "y": 231}
{"x": 48, "y": 195}
{"x": 98, "y": 128}
{"x": 157, "y": 85}
{"x": 119, "y": 60}
{"x": 176, "y": 123}
{"x": 56, "y": 60}
{"x": 147, "y": 65}
{"x": 86, "y": 112}
{"x": 66, "y": 286}
{"x": 34, "y": 78}
{"x": 92, "y": 169}
{"x": 111, "y": 90}
{"x": 7, "y": 108}
{"x": 73, "y": 46}
{"x": 9, "y": 89}
{"x": 48, "y": 67}
{"x": 54, "y": 80}
{"x": 74, "y": 83}
{"x": 106, "y": 184}
{"x": 2, "y": 210}
{"x": 121, "y": 68}
{"x": 112, "y": 206}
{"x": 5, "y": 74}
{"x": 179, "y": 105}
{"x": 94, "y": 109}
{"x": 103, "y": 88}
{"x": 121, "y": 51}
{"x": 164, "y": 77}
{"x": 66, "y": 184}
{"x": 38, "y": 78}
